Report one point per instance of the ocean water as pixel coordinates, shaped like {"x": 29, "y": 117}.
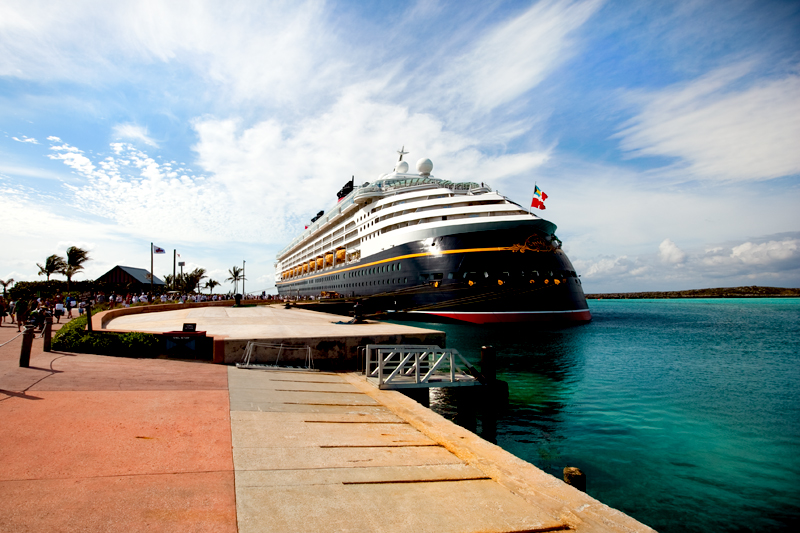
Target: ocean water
{"x": 684, "y": 414}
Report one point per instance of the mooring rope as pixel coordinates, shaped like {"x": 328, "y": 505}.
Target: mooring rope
{"x": 11, "y": 339}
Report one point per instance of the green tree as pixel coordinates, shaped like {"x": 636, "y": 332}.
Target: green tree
{"x": 52, "y": 265}
{"x": 210, "y": 284}
{"x": 192, "y": 279}
{"x": 76, "y": 257}
{"x": 169, "y": 282}
{"x": 5, "y": 284}
{"x": 235, "y": 276}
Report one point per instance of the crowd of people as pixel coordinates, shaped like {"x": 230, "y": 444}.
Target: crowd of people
{"x": 34, "y": 311}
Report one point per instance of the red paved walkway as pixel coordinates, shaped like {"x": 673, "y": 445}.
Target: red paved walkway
{"x": 93, "y": 443}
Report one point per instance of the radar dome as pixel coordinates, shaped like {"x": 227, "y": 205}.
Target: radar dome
{"x": 402, "y": 167}
{"x": 424, "y": 166}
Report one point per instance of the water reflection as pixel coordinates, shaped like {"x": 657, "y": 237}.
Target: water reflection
{"x": 543, "y": 364}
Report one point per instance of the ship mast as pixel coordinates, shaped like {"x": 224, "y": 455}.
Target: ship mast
{"x": 402, "y": 152}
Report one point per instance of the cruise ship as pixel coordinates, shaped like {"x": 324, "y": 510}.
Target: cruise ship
{"x": 441, "y": 250}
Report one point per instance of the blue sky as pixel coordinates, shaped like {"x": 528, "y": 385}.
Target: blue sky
{"x": 666, "y": 134}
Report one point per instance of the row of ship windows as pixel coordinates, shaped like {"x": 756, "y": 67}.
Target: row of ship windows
{"x": 469, "y": 276}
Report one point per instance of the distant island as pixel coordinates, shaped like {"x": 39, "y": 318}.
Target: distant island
{"x": 725, "y": 292}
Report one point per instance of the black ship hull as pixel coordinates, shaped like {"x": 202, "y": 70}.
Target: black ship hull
{"x": 511, "y": 273}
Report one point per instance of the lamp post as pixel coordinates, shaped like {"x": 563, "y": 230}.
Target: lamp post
{"x": 243, "y": 293}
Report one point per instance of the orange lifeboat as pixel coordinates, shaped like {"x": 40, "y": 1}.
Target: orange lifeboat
{"x": 311, "y": 265}
{"x": 305, "y": 268}
{"x": 340, "y": 255}
{"x": 320, "y": 263}
{"x": 328, "y": 259}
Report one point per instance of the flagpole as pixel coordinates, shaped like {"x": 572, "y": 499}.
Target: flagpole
{"x": 174, "y": 258}
{"x": 151, "y": 269}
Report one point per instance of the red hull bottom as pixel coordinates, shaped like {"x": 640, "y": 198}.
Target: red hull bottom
{"x": 583, "y": 315}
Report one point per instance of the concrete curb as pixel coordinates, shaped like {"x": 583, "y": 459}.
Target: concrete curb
{"x": 574, "y": 508}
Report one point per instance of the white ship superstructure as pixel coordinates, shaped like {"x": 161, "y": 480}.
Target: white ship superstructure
{"x": 395, "y": 238}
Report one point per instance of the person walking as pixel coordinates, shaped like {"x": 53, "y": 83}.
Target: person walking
{"x": 21, "y": 310}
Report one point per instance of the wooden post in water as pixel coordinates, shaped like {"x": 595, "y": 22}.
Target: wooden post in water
{"x": 498, "y": 390}
{"x": 489, "y": 363}
{"x": 573, "y": 476}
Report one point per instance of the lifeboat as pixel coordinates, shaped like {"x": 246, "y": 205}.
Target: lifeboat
{"x": 305, "y": 268}
{"x": 328, "y": 259}
{"x": 311, "y": 265}
{"x": 320, "y": 263}
{"x": 340, "y": 255}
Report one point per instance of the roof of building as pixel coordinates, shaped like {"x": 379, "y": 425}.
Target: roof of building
{"x": 140, "y": 275}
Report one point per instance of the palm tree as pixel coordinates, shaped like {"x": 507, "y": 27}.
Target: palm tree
{"x": 76, "y": 257}
{"x": 210, "y": 284}
{"x": 53, "y": 264}
{"x": 192, "y": 279}
{"x": 169, "y": 282}
{"x": 5, "y": 284}
{"x": 236, "y": 275}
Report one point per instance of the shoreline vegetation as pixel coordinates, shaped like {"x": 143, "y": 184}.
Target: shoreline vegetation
{"x": 724, "y": 292}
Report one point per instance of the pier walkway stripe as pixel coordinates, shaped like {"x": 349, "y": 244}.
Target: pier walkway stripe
{"x": 308, "y": 460}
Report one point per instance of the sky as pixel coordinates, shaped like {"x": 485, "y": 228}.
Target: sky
{"x": 666, "y": 134}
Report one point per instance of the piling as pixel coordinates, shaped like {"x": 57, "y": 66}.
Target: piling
{"x": 573, "y": 476}
{"x": 47, "y": 333}
{"x": 89, "y": 317}
{"x": 25, "y": 351}
{"x": 496, "y": 389}
{"x": 489, "y": 363}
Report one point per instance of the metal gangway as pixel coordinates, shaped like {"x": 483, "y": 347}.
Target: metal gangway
{"x": 247, "y": 360}
{"x": 417, "y": 366}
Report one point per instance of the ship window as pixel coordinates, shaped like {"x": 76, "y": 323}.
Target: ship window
{"x": 399, "y": 266}
{"x": 485, "y": 274}
{"x": 437, "y": 276}
{"x": 451, "y": 275}
{"x": 405, "y": 280}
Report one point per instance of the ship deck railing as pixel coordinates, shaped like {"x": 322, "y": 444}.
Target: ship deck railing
{"x": 417, "y": 366}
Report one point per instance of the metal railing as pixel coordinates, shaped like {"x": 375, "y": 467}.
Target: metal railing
{"x": 408, "y": 366}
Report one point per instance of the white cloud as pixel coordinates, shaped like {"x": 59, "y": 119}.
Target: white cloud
{"x": 26, "y": 139}
{"x": 287, "y": 49}
{"x": 720, "y": 130}
{"x": 669, "y": 252}
{"x": 135, "y": 133}
{"x": 513, "y": 57}
{"x": 765, "y": 253}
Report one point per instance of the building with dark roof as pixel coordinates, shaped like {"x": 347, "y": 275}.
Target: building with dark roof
{"x": 130, "y": 278}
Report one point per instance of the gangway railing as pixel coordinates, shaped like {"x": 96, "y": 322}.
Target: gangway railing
{"x": 247, "y": 359}
{"x": 417, "y": 366}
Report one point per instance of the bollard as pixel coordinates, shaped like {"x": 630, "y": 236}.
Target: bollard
{"x": 47, "y": 332}
{"x": 89, "y": 317}
{"x": 27, "y": 343}
{"x": 573, "y": 476}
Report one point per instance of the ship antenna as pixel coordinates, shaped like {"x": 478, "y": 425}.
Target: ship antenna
{"x": 402, "y": 152}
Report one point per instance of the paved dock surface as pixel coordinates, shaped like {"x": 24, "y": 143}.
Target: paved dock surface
{"x": 258, "y": 322}
{"x": 332, "y": 340}
{"x": 93, "y": 443}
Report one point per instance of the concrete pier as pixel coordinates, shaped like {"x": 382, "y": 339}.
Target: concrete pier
{"x": 94, "y": 443}
{"x": 333, "y": 344}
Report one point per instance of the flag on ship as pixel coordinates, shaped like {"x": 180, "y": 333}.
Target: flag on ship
{"x": 157, "y": 250}
{"x": 539, "y": 197}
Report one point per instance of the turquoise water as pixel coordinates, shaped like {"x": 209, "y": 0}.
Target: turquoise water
{"x": 684, "y": 414}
